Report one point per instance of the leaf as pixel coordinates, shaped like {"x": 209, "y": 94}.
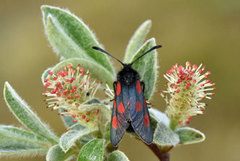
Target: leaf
{"x": 108, "y": 145}
{"x": 25, "y": 115}
{"x": 107, "y": 132}
{"x": 19, "y": 133}
{"x": 189, "y": 135}
{"x": 55, "y": 153}
{"x": 92, "y": 151}
{"x": 68, "y": 122}
{"x": 147, "y": 67}
{"x": 95, "y": 70}
{"x": 14, "y": 141}
{"x": 164, "y": 136}
{"x": 86, "y": 138}
{"x": 137, "y": 40}
{"x": 69, "y": 138}
{"x": 21, "y": 150}
{"x": 117, "y": 155}
{"x": 157, "y": 116}
{"x": 71, "y": 37}
{"x": 44, "y": 75}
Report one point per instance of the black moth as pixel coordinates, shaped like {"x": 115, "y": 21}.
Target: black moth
{"x": 130, "y": 110}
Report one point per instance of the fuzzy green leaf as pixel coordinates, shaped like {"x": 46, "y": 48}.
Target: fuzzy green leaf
{"x": 68, "y": 139}
{"x": 95, "y": 70}
{"x": 147, "y": 67}
{"x": 25, "y": 115}
{"x": 55, "y": 153}
{"x": 164, "y": 136}
{"x": 117, "y": 155}
{"x": 108, "y": 145}
{"x": 86, "y": 138}
{"x": 92, "y": 151}
{"x": 68, "y": 122}
{"x": 107, "y": 132}
{"x": 189, "y": 135}
{"x": 70, "y": 36}
{"x": 21, "y": 150}
{"x": 45, "y": 74}
{"x": 15, "y": 141}
{"x": 16, "y": 132}
{"x": 158, "y": 116}
{"x": 137, "y": 40}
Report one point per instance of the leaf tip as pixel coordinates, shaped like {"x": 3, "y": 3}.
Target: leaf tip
{"x": 189, "y": 135}
{"x": 6, "y": 86}
{"x": 148, "y": 22}
{"x": 46, "y": 12}
{"x": 49, "y": 18}
{"x": 6, "y": 83}
{"x": 64, "y": 149}
{"x": 42, "y": 7}
{"x": 45, "y": 6}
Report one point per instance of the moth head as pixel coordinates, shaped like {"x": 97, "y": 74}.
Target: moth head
{"x": 126, "y": 65}
{"x": 127, "y": 75}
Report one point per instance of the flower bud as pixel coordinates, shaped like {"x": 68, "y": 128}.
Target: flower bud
{"x": 186, "y": 87}
{"x": 70, "y": 90}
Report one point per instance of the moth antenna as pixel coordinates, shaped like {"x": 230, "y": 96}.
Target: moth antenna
{"x": 103, "y": 51}
{"x": 153, "y": 48}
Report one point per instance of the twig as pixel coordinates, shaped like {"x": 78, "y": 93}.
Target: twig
{"x": 162, "y": 156}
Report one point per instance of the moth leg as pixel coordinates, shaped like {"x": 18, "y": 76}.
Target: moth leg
{"x": 114, "y": 87}
{"x": 148, "y": 104}
{"x": 143, "y": 86}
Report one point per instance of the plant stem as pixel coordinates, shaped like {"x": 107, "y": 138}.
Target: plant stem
{"x": 162, "y": 156}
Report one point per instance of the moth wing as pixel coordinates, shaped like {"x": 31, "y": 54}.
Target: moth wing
{"x": 120, "y": 113}
{"x": 139, "y": 114}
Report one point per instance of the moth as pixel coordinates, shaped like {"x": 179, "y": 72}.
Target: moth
{"x": 129, "y": 110}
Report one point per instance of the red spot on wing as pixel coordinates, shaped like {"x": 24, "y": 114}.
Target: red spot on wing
{"x": 118, "y": 88}
{"x": 138, "y": 86}
{"x": 146, "y": 120}
{"x": 138, "y": 106}
{"x": 114, "y": 122}
{"x": 144, "y": 102}
{"x": 114, "y": 104}
{"x": 121, "y": 108}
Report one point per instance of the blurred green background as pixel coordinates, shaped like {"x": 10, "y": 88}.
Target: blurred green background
{"x": 193, "y": 30}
